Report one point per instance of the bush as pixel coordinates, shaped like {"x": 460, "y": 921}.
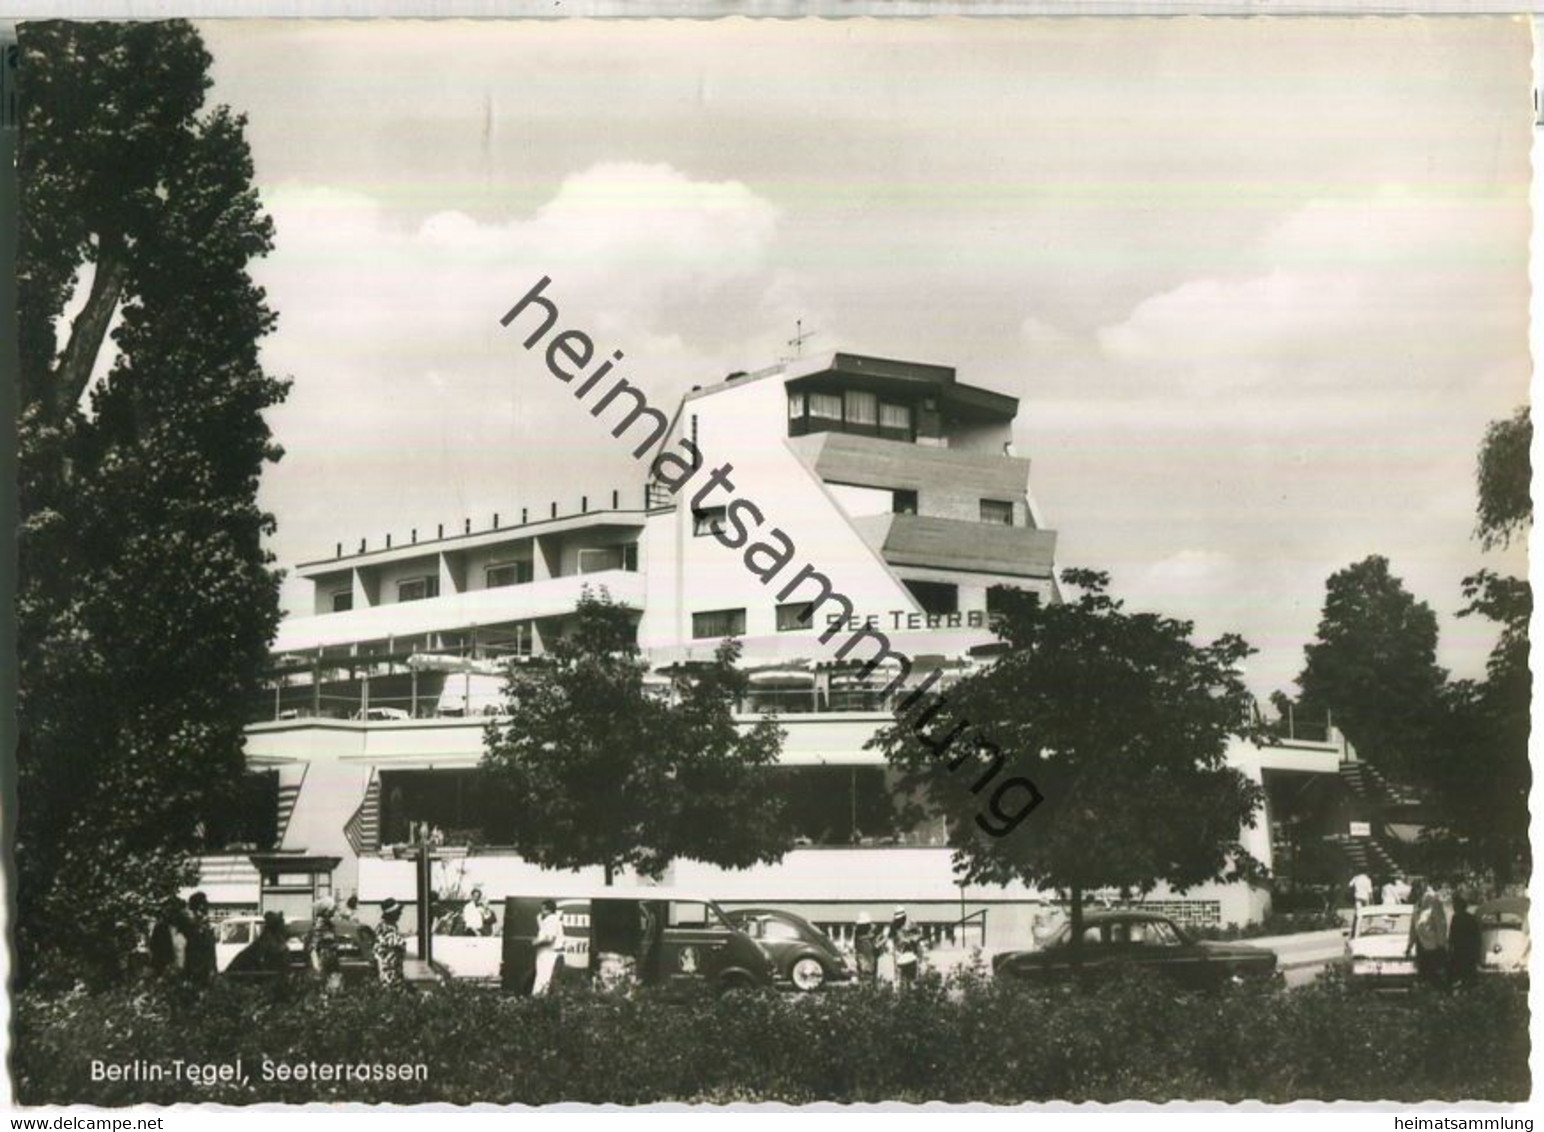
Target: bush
{"x": 1277, "y": 923}
{"x": 966, "y": 1040}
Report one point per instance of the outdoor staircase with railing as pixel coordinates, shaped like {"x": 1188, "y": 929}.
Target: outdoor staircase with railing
{"x": 1368, "y": 784}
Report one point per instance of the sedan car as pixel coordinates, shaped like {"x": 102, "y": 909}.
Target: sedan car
{"x": 1377, "y": 949}
{"x": 1131, "y": 939}
{"x": 1505, "y": 942}
{"x": 803, "y": 954}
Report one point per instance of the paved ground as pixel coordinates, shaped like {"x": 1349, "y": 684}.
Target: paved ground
{"x": 1304, "y": 955}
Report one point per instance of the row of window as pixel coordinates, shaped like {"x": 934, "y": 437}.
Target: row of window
{"x": 854, "y": 410}
{"x": 936, "y": 599}
{"x": 997, "y": 512}
{"x": 592, "y": 560}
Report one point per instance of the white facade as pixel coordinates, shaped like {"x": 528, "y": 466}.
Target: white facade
{"x": 891, "y": 479}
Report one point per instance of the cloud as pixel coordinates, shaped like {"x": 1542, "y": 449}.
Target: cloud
{"x": 1361, "y": 292}
{"x": 412, "y": 406}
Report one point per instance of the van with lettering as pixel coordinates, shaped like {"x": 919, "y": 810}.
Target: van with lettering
{"x": 641, "y": 935}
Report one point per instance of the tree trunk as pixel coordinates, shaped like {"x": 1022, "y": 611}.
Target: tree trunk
{"x": 90, "y": 327}
{"x": 1076, "y": 942}
{"x": 610, "y": 873}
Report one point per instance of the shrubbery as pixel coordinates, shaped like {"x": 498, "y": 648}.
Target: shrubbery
{"x": 970, "y": 1041}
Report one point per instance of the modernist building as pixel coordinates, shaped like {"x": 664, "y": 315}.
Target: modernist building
{"x": 893, "y": 480}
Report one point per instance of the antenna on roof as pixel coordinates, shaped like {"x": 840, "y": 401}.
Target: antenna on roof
{"x": 799, "y": 338}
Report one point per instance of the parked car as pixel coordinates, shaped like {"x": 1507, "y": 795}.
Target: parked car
{"x": 1123, "y": 939}
{"x": 1505, "y": 941}
{"x": 805, "y": 956}
{"x": 355, "y": 942}
{"x": 651, "y": 935}
{"x": 1376, "y": 948}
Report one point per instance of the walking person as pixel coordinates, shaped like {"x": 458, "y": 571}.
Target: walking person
{"x": 1465, "y": 945}
{"x": 1361, "y": 891}
{"x": 199, "y": 959}
{"x": 1428, "y": 935}
{"x": 865, "y": 949}
{"x": 322, "y": 947}
{"x": 549, "y": 948}
{"x": 390, "y": 947}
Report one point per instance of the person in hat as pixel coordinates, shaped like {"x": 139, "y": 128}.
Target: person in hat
{"x": 905, "y": 945}
{"x": 865, "y": 948}
{"x": 322, "y": 947}
{"x": 199, "y": 960}
{"x": 390, "y": 948}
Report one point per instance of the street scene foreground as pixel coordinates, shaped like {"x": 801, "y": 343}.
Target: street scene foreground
{"x": 960, "y": 1039}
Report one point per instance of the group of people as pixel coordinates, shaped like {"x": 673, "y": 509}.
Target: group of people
{"x": 899, "y": 945}
{"x": 182, "y": 941}
{"x": 1385, "y": 890}
{"x": 1447, "y": 949}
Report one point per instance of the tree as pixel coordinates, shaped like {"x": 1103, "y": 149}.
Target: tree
{"x": 592, "y": 768}
{"x": 146, "y": 602}
{"x": 1374, "y": 667}
{"x": 1119, "y": 720}
{"x": 1504, "y": 474}
{"x": 1481, "y": 772}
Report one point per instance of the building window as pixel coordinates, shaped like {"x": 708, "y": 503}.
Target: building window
{"x": 826, "y": 406}
{"x": 718, "y": 623}
{"x": 862, "y": 408}
{"x": 795, "y": 615}
{"x": 708, "y": 521}
{"x": 903, "y": 502}
{"x": 342, "y": 601}
{"x": 936, "y": 597}
{"x": 895, "y": 421}
{"x": 996, "y": 603}
{"x": 796, "y": 406}
{"x": 508, "y": 574}
{"x": 417, "y": 589}
{"x": 592, "y": 560}
{"x": 997, "y": 512}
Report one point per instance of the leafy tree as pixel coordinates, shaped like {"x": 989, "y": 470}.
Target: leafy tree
{"x": 1481, "y": 772}
{"x": 1374, "y": 667}
{"x": 1504, "y": 473}
{"x": 592, "y": 768}
{"x": 146, "y": 602}
{"x": 1119, "y": 720}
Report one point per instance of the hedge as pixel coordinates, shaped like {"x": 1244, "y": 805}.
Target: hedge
{"x": 968, "y": 1040}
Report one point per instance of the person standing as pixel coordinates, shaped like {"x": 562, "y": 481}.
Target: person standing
{"x": 322, "y": 947}
{"x": 1388, "y": 891}
{"x": 549, "y": 948}
{"x": 199, "y": 960}
{"x": 865, "y": 949}
{"x": 905, "y": 944}
{"x": 390, "y": 947}
{"x": 1428, "y": 935}
{"x": 1465, "y": 944}
{"x": 169, "y": 939}
{"x": 476, "y": 916}
{"x": 268, "y": 954}
{"x": 1361, "y": 890}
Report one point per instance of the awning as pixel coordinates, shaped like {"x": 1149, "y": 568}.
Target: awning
{"x": 439, "y": 662}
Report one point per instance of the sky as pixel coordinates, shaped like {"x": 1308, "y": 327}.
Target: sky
{"x": 1259, "y": 285}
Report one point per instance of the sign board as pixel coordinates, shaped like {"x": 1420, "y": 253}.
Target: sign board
{"x": 1361, "y": 829}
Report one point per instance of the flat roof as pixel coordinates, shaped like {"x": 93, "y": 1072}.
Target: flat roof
{"x": 626, "y": 517}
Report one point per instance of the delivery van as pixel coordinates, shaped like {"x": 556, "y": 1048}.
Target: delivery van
{"x": 650, "y": 936}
